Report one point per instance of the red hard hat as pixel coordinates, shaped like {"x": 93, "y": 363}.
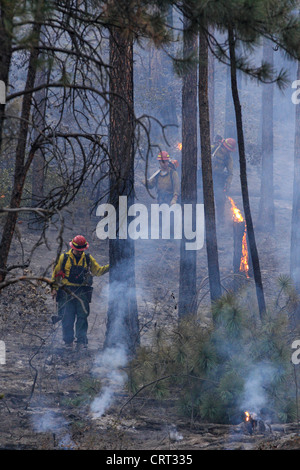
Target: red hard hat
{"x": 229, "y": 144}
{"x": 79, "y": 243}
{"x": 163, "y": 156}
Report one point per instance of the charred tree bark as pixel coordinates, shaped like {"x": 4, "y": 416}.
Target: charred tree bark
{"x": 21, "y": 165}
{"x": 122, "y": 316}
{"x": 295, "y": 233}
{"x": 243, "y": 177}
{"x": 266, "y": 208}
{"x": 230, "y": 123}
{"x": 211, "y": 93}
{"x": 38, "y": 164}
{"x": 5, "y": 53}
{"x": 207, "y": 179}
{"x": 187, "y": 281}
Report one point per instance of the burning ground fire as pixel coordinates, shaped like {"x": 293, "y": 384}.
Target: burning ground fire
{"x": 179, "y": 146}
{"x": 253, "y": 423}
{"x": 238, "y": 218}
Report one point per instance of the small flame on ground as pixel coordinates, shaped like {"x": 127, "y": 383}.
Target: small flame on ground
{"x": 179, "y": 146}
{"x": 237, "y": 217}
{"x": 247, "y": 416}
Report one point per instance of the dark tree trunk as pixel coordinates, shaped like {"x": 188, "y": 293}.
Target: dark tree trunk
{"x": 5, "y": 55}
{"x": 266, "y": 208}
{"x": 38, "y": 164}
{"x": 208, "y": 192}
{"x": 187, "y": 283}
{"x": 243, "y": 177}
{"x": 122, "y": 322}
{"x": 211, "y": 93}
{"x": 295, "y": 233}
{"x": 21, "y": 166}
{"x": 230, "y": 123}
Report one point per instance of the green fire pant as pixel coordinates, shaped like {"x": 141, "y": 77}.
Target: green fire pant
{"x": 74, "y": 316}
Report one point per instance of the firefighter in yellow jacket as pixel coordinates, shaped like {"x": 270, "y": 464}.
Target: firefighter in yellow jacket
{"x": 165, "y": 180}
{"x": 72, "y": 289}
{"x": 222, "y": 168}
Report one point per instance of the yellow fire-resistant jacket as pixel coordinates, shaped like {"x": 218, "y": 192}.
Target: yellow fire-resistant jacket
{"x": 167, "y": 184}
{"x": 222, "y": 163}
{"x": 95, "y": 268}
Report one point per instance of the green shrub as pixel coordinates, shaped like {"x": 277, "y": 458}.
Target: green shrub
{"x": 216, "y": 373}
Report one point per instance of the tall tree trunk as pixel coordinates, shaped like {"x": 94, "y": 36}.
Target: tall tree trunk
{"x": 21, "y": 166}
{"x": 122, "y": 317}
{"x": 295, "y": 234}
{"x": 243, "y": 177}
{"x": 211, "y": 92}
{"x": 230, "y": 123}
{"x": 187, "y": 280}
{"x": 207, "y": 179}
{"x": 38, "y": 164}
{"x": 5, "y": 53}
{"x": 266, "y": 208}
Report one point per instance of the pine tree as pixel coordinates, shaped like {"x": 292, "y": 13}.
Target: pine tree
{"x": 21, "y": 165}
{"x": 122, "y": 316}
{"x": 208, "y": 194}
{"x": 187, "y": 281}
{"x": 243, "y": 176}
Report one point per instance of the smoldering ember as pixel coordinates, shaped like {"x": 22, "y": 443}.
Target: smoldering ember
{"x": 150, "y": 227}
{"x": 159, "y": 228}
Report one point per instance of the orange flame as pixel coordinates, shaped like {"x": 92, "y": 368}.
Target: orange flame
{"x": 247, "y": 416}
{"x": 237, "y": 217}
{"x": 244, "y": 265}
{"x": 179, "y": 146}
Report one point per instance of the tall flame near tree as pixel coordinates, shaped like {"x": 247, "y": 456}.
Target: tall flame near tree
{"x": 237, "y": 217}
{"x": 243, "y": 175}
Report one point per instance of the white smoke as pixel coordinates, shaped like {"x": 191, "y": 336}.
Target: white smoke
{"x": 174, "y": 435}
{"x": 52, "y": 421}
{"x": 255, "y": 394}
{"x": 108, "y": 369}
{"x": 48, "y": 421}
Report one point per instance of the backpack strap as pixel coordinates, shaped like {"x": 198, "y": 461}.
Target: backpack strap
{"x": 66, "y": 256}
{"x": 88, "y": 260}
{"x": 64, "y": 262}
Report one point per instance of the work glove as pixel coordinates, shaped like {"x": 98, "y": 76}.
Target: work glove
{"x": 174, "y": 201}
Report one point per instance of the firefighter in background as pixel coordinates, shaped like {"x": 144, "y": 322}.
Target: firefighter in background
{"x": 222, "y": 168}
{"x": 165, "y": 180}
{"x": 74, "y": 272}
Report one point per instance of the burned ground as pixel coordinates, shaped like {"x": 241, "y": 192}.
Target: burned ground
{"x": 46, "y": 393}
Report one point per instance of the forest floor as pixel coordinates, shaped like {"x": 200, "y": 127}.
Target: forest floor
{"x": 46, "y": 391}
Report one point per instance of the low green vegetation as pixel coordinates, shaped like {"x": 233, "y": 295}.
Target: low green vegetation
{"x": 217, "y": 372}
